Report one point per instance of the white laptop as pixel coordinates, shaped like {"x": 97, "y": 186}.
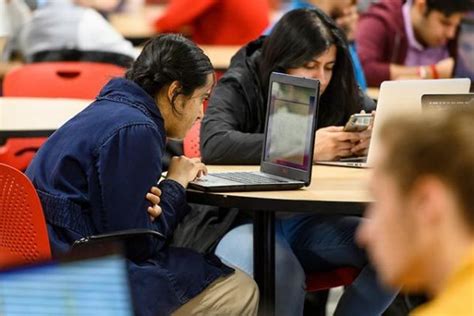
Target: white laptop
{"x": 287, "y": 155}
{"x": 398, "y": 97}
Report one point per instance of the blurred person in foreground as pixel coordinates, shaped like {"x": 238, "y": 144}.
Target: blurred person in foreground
{"x": 420, "y": 230}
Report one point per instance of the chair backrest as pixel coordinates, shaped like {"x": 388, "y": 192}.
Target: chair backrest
{"x": 23, "y": 233}
{"x": 81, "y": 80}
{"x": 18, "y": 152}
{"x": 191, "y": 142}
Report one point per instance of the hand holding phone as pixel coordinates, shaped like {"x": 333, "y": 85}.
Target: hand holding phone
{"x": 359, "y": 122}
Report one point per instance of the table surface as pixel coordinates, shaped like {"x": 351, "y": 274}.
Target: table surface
{"x": 330, "y": 185}
{"x": 18, "y": 113}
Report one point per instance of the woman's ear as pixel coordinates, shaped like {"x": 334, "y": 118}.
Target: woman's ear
{"x": 173, "y": 90}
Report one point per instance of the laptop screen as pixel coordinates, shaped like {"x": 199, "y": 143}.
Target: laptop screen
{"x": 464, "y": 67}
{"x": 290, "y": 125}
{"x": 94, "y": 286}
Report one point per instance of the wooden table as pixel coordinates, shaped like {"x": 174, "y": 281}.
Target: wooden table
{"x": 36, "y": 117}
{"x": 333, "y": 190}
{"x": 373, "y": 92}
{"x": 138, "y": 24}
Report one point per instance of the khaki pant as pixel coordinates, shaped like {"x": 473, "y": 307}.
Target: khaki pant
{"x": 236, "y": 294}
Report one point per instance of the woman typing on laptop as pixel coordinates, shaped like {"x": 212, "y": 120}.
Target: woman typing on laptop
{"x": 92, "y": 176}
{"x": 304, "y": 43}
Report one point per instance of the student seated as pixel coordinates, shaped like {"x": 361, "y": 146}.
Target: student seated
{"x": 304, "y": 43}
{"x": 344, "y": 12}
{"x": 93, "y": 174}
{"x": 420, "y": 229}
{"x": 61, "y": 30}
{"x": 399, "y": 39}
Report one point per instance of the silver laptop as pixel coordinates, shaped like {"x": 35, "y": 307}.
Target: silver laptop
{"x": 397, "y": 97}
{"x": 287, "y": 155}
{"x": 447, "y": 101}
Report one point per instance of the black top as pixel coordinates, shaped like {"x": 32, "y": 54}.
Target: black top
{"x": 234, "y": 122}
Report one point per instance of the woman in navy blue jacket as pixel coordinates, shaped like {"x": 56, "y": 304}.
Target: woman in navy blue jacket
{"x": 92, "y": 176}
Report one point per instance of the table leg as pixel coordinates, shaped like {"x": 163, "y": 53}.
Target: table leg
{"x": 264, "y": 260}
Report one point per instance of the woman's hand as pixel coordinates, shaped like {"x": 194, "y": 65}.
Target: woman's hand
{"x": 332, "y": 143}
{"x": 154, "y": 197}
{"x": 361, "y": 148}
{"x": 183, "y": 169}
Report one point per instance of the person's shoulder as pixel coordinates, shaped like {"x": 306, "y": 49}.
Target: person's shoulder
{"x": 384, "y": 9}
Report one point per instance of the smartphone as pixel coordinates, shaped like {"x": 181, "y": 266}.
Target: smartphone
{"x": 358, "y": 122}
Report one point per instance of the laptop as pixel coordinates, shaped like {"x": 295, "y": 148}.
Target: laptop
{"x": 464, "y": 59}
{"x": 398, "y": 97}
{"x": 289, "y": 133}
{"x": 85, "y": 286}
{"x": 447, "y": 101}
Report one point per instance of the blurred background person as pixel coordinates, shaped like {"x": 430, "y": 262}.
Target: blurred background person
{"x": 420, "y": 230}
{"x": 209, "y": 22}
{"x": 409, "y": 39}
{"x": 13, "y": 14}
{"x": 63, "y": 30}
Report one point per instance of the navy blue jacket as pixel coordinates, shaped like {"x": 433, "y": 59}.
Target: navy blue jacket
{"x": 92, "y": 176}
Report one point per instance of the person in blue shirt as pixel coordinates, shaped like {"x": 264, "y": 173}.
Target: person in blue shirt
{"x": 344, "y": 12}
{"x": 93, "y": 174}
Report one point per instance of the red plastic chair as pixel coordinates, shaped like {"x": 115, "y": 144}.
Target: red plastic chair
{"x": 191, "y": 143}
{"x": 18, "y": 152}
{"x": 23, "y": 234}
{"x": 82, "y": 80}
{"x": 316, "y": 281}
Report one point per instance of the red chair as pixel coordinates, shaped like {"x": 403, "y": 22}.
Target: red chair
{"x": 18, "y": 152}
{"x": 81, "y": 80}
{"x": 191, "y": 142}
{"x": 318, "y": 281}
{"x": 315, "y": 281}
{"x": 23, "y": 234}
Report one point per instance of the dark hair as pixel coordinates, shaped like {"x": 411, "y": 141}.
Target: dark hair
{"x": 167, "y": 58}
{"x": 438, "y": 144}
{"x": 299, "y": 36}
{"x": 448, "y": 7}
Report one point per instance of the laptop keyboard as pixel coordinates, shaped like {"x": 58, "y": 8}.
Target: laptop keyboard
{"x": 248, "y": 178}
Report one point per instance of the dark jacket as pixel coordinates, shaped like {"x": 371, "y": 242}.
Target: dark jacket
{"x": 92, "y": 176}
{"x": 381, "y": 40}
{"x": 234, "y": 122}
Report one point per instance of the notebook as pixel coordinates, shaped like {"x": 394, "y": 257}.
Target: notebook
{"x": 397, "y": 97}
{"x": 85, "y": 286}
{"x": 464, "y": 59}
{"x": 289, "y": 133}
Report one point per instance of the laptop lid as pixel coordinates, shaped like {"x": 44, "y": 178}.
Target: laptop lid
{"x": 290, "y": 126}
{"x": 447, "y": 101}
{"x": 404, "y": 96}
{"x": 464, "y": 59}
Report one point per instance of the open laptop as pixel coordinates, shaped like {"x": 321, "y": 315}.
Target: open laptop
{"x": 398, "y": 97}
{"x": 447, "y": 101}
{"x": 464, "y": 59}
{"x": 287, "y": 155}
{"x": 95, "y": 285}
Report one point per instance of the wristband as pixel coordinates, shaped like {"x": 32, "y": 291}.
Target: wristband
{"x": 434, "y": 72}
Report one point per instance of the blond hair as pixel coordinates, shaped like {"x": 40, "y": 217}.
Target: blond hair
{"x": 439, "y": 144}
